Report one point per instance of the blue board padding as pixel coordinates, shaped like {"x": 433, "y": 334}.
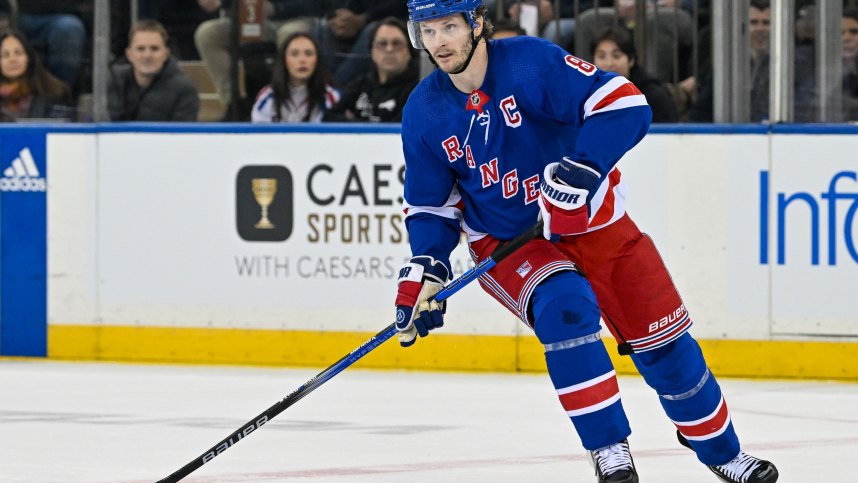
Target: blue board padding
{"x": 23, "y": 252}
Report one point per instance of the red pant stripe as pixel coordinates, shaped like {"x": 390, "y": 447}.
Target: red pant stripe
{"x": 665, "y": 336}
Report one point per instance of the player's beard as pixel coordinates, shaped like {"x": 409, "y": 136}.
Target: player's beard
{"x": 460, "y": 55}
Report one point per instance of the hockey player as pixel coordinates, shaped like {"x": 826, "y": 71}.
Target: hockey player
{"x": 502, "y": 132}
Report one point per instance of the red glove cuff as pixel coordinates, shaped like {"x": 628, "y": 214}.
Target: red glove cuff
{"x": 568, "y": 222}
{"x": 408, "y": 293}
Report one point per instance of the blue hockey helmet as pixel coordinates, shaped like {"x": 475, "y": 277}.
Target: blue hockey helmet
{"x": 421, "y": 10}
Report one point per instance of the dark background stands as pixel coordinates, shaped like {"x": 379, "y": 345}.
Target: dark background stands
{"x": 57, "y": 33}
{"x": 345, "y": 44}
{"x": 367, "y": 100}
{"x": 659, "y": 99}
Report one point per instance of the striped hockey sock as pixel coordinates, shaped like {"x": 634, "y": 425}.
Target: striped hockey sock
{"x": 586, "y": 384}
{"x": 691, "y": 398}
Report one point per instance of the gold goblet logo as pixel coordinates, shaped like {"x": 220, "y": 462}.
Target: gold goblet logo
{"x": 264, "y": 190}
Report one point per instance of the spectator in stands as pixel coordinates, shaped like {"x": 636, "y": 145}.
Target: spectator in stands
{"x": 505, "y": 28}
{"x": 151, "y": 87}
{"x": 380, "y": 94}
{"x": 804, "y": 83}
{"x": 667, "y": 28}
{"x": 299, "y": 89}
{"x": 27, "y": 89}
{"x": 344, "y": 36}
{"x": 56, "y": 33}
{"x": 283, "y": 18}
{"x": 849, "y": 36}
{"x": 544, "y": 9}
{"x": 615, "y": 51}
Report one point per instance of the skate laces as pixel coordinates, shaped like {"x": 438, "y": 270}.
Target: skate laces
{"x": 740, "y": 467}
{"x": 613, "y": 458}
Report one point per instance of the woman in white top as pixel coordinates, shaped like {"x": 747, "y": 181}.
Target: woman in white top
{"x": 299, "y": 89}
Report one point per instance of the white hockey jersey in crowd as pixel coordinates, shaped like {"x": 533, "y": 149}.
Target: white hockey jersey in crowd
{"x": 292, "y": 110}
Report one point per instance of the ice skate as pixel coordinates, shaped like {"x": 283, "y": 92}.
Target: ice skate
{"x": 614, "y": 464}
{"x": 744, "y": 468}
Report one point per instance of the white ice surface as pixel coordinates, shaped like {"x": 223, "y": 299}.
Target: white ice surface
{"x": 100, "y": 423}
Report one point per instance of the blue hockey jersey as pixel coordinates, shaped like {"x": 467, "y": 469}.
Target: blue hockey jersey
{"x": 474, "y": 160}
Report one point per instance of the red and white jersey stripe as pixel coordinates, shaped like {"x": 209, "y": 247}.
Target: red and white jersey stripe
{"x": 708, "y": 427}
{"x": 590, "y": 396}
{"x": 617, "y": 93}
{"x": 452, "y": 208}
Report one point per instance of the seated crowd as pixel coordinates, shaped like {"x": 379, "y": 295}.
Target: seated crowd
{"x": 352, "y": 60}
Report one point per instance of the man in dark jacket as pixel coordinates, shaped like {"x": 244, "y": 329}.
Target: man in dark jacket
{"x": 380, "y": 94}
{"x": 344, "y": 35}
{"x": 759, "y": 21}
{"x": 56, "y": 32}
{"x": 151, "y": 87}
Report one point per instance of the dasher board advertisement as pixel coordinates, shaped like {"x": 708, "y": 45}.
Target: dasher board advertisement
{"x": 303, "y": 231}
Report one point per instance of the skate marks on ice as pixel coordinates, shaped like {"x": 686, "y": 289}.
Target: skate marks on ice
{"x": 12, "y": 417}
{"x": 100, "y": 423}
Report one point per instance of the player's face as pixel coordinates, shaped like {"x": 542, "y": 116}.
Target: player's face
{"x": 147, "y": 53}
{"x": 609, "y": 57}
{"x": 849, "y": 29}
{"x": 390, "y": 52}
{"x": 13, "y": 58}
{"x": 448, "y": 41}
{"x": 301, "y": 59}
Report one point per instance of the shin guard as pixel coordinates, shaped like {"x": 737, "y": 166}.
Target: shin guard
{"x": 691, "y": 398}
{"x": 567, "y": 323}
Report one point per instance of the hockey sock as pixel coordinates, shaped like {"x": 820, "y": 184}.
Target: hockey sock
{"x": 691, "y": 398}
{"x": 567, "y": 323}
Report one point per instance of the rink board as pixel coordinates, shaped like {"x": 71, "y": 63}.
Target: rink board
{"x": 153, "y": 252}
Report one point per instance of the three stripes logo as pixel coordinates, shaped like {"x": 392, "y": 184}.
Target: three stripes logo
{"x": 23, "y": 175}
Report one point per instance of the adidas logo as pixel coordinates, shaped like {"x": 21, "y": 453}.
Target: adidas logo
{"x": 23, "y": 175}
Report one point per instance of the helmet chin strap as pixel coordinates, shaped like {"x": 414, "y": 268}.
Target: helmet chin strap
{"x": 474, "y": 42}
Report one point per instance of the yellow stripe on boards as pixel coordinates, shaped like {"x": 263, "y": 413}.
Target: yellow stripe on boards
{"x": 446, "y": 352}
{"x": 273, "y": 347}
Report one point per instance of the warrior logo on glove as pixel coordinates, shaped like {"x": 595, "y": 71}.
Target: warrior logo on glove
{"x": 564, "y": 200}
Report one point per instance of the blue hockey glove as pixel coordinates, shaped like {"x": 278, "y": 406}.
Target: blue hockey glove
{"x": 564, "y": 200}
{"x": 416, "y": 311}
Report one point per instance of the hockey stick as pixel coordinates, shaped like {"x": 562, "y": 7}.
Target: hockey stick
{"x": 503, "y": 251}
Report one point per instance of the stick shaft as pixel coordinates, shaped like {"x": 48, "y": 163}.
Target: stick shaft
{"x": 454, "y": 286}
